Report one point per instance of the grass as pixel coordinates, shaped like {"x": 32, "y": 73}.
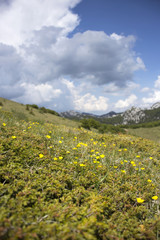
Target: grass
{"x": 148, "y": 133}
{"x": 20, "y": 112}
{"x": 62, "y": 182}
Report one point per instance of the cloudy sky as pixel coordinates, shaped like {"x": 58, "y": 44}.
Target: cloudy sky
{"x": 84, "y": 55}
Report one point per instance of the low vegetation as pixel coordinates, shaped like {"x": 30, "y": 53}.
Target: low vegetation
{"x": 148, "y": 133}
{"x": 61, "y": 182}
{"x": 101, "y": 127}
{"x": 34, "y": 113}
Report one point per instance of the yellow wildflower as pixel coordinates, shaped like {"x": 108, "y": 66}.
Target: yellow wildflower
{"x": 47, "y": 136}
{"x": 82, "y": 165}
{"x": 140, "y": 200}
{"x": 55, "y": 158}
{"x": 4, "y": 124}
{"x": 155, "y": 197}
{"x": 41, "y": 155}
{"x": 96, "y": 161}
{"x": 14, "y": 137}
{"x": 149, "y": 180}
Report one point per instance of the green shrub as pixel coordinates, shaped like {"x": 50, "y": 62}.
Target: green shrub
{"x": 85, "y": 124}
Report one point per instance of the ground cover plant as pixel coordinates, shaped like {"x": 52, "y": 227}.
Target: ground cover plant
{"x": 58, "y": 182}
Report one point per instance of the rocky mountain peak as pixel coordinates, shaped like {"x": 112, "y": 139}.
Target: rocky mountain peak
{"x": 155, "y": 105}
{"x": 134, "y": 114}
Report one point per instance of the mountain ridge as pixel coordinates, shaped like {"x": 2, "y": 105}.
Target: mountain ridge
{"x": 133, "y": 115}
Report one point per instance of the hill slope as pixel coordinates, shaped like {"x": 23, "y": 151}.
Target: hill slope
{"x": 58, "y": 182}
{"x": 29, "y": 113}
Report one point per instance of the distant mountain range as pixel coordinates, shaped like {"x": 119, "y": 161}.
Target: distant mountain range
{"x": 134, "y": 115}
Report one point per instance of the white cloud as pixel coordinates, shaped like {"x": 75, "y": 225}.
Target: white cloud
{"x": 115, "y": 90}
{"x": 157, "y": 82}
{"x": 98, "y": 55}
{"x": 85, "y": 102}
{"x": 39, "y": 94}
{"x": 127, "y": 102}
{"x": 153, "y": 93}
{"x": 145, "y": 89}
{"x": 153, "y": 97}
{"x": 90, "y": 103}
{"x": 22, "y": 17}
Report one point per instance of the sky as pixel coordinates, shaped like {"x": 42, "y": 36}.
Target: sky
{"x": 90, "y": 56}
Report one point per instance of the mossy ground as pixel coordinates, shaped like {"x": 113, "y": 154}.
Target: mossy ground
{"x": 63, "y": 183}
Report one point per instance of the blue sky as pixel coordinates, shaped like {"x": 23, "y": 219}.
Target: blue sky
{"x": 84, "y": 55}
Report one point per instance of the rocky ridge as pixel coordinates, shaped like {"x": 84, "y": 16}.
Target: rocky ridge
{"x": 134, "y": 115}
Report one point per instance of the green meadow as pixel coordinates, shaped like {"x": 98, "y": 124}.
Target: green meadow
{"x": 152, "y": 133}
{"x": 61, "y": 182}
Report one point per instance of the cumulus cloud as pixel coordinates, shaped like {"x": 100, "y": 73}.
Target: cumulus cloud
{"x": 153, "y": 93}
{"x": 36, "y": 52}
{"x": 127, "y": 102}
{"x": 90, "y": 103}
{"x": 153, "y": 97}
{"x": 98, "y": 57}
{"x": 86, "y": 102}
{"x": 19, "y": 20}
{"x": 157, "y": 82}
{"x": 90, "y": 56}
{"x": 40, "y": 93}
{"x": 145, "y": 89}
{"x": 11, "y": 68}
{"x": 115, "y": 90}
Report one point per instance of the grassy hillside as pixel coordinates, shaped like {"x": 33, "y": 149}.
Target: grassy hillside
{"x": 23, "y": 112}
{"x": 148, "y": 133}
{"x": 58, "y": 182}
